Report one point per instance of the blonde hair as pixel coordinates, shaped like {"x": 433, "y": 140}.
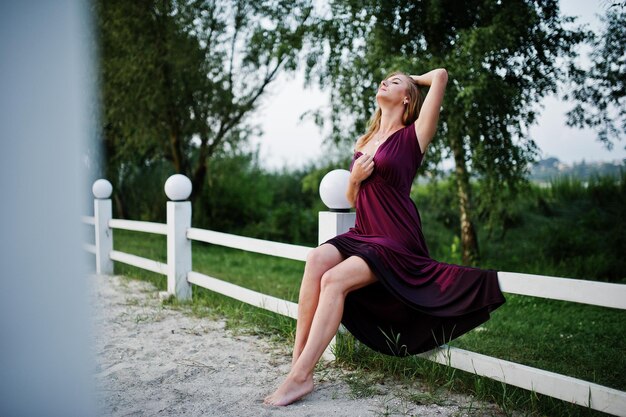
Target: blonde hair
{"x": 411, "y": 112}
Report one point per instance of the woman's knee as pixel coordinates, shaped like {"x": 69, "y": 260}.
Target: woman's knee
{"x": 323, "y": 257}
{"x": 349, "y": 275}
{"x": 331, "y": 281}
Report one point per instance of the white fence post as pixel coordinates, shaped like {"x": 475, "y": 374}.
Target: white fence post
{"x": 336, "y": 221}
{"x": 333, "y": 223}
{"x": 102, "y": 211}
{"x": 177, "y": 188}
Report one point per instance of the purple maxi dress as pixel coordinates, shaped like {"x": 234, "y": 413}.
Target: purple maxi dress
{"x": 417, "y": 303}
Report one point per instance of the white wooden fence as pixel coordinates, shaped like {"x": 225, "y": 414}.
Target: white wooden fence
{"x": 180, "y": 276}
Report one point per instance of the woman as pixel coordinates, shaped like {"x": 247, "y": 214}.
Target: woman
{"x": 378, "y": 278}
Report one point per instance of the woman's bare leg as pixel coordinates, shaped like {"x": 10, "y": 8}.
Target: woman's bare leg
{"x": 336, "y": 283}
{"x": 319, "y": 260}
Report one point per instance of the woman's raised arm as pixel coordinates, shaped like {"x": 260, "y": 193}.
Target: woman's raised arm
{"x": 426, "y": 123}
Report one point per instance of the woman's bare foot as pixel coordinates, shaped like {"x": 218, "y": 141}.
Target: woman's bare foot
{"x": 290, "y": 391}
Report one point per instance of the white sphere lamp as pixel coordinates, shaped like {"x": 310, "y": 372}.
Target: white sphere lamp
{"x": 178, "y": 187}
{"x": 333, "y": 190}
{"x": 101, "y": 189}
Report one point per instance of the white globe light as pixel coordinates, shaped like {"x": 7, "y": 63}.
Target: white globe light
{"x": 333, "y": 189}
{"x": 178, "y": 187}
{"x": 101, "y": 189}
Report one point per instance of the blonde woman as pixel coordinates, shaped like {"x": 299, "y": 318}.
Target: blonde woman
{"x": 378, "y": 278}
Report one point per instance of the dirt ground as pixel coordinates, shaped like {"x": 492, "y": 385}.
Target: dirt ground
{"x": 155, "y": 361}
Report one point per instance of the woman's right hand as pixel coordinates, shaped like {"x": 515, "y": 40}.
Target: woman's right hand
{"x": 362, "y": 168}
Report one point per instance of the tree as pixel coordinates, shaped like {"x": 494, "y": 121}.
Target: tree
{"x": 500, "y": 57}
{"x": 179, "y": 78}
{"x": 600, "y": 92}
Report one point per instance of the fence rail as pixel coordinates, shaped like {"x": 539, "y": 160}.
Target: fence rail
{"x": 266, "y": 302}
{"x": 139, "y": 226}
{"x": 604, "y": 294}
{"x": 139, "y": 262}
{"x": 577, "y": 391}
{"x": 180, "y": 277}
{"x": 265, "y": 247}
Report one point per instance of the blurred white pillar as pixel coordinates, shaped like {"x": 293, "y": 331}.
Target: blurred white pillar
{"x": 46, "y": 108}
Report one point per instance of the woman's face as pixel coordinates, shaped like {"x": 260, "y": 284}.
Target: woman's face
{"x": 392, "y": 89}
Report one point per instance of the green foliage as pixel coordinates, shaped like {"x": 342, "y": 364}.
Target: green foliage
{"x": 242, "y": 198}
{"x": 139, "y": 193}
{"x": 179, "y": 78}
{"x": 570, "y": 228}
{"x": 600, "y": 92}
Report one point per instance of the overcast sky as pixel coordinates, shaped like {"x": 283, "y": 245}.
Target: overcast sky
{"x": 287, "y": 141}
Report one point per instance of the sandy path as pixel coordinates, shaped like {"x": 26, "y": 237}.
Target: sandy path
{"x": 154, "y": 361}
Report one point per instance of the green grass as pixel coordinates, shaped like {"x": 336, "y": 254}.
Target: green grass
{"x": 577, "y": 340}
